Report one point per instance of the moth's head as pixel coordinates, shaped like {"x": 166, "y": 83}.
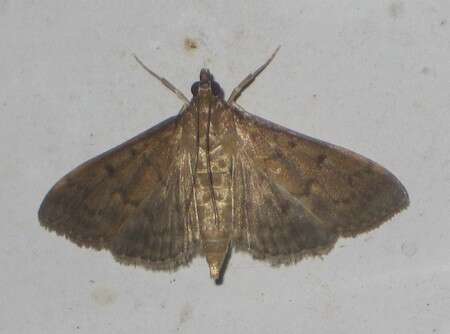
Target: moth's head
{"x": 205, "y": 76}
{"x": 206, "y": 86}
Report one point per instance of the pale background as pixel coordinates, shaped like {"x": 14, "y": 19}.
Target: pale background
{"x": 372, "y": 76}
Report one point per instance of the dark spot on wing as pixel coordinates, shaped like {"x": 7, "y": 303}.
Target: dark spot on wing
{"x": 110, "y": 169}
{"x": 320, "y": 159}
{"x": 133, "y": 152}
{"x": 284, "y": 206}
{"x": 277, "y": 155}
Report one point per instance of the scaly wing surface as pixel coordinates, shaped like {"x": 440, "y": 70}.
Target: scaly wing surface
{"x": 299, "y": 194}
{"x": 130, "y": 200}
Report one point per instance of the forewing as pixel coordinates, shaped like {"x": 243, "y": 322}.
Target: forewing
{"x": 129, "y": 200}
{"x": 342, "y": 192}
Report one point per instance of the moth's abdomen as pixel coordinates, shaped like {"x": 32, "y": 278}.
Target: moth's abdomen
{"x": 214, "y": 206}
{"x": 213, "y": 189}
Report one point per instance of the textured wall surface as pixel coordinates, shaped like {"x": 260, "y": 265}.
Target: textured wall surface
{"x": 372, "y": 76}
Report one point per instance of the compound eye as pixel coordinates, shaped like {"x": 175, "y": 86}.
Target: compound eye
{"x": 194, "y": 88}
{"x": 217, "y": 90}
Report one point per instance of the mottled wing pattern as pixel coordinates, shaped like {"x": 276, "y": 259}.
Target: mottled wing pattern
{"x": 273, "y": 224}
{"x": 130, "y": 200}
{"x": 301, "y": 193}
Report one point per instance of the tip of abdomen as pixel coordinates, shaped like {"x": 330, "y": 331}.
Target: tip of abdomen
{"x": 214, "y": 271}
{"x": 216, "y": 251}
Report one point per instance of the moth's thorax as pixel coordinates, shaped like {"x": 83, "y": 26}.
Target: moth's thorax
{"x": 205, "y": 101}
{"x": 205, "y": 91}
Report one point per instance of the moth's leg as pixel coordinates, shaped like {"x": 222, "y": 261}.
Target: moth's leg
{"x": 166, "y": 83}
{"x": 249, "y": 79}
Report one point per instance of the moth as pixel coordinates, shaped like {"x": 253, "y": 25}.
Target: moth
{"x": 213, "y": 178}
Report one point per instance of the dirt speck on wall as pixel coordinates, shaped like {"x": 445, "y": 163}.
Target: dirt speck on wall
{"x": 190, "y": 44}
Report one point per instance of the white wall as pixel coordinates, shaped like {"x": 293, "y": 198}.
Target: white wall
{"x": 372, "y": 76}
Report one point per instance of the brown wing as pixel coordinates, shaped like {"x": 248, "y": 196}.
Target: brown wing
{"x": 273, "y": 224}
{"x": 302, "y": 193}
{"x": 130, "y": 200}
